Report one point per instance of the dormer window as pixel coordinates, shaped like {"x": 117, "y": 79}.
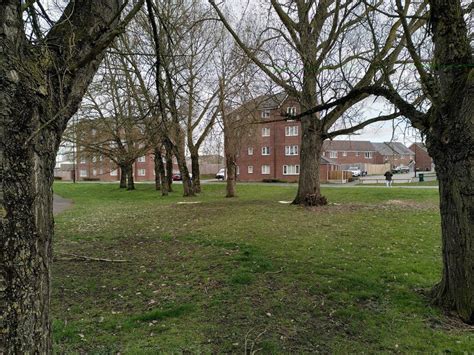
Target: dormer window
{"x": 265, "y": 113}
{"x": 291, "y": 110}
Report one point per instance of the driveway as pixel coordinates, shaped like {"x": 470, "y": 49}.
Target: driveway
{"x": 60, "y": 204}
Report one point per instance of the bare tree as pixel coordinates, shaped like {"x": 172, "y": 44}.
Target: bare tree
{"x": 307, "y": 48}
{"x": 43, "y": 77}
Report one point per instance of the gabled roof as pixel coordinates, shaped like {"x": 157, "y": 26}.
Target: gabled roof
{"x": 326, "y": 161}
{"x": 348, "y": 146}
{"x": 262, "y": 102}
{"x": 420, "y": 145}
{"x": 391, "y": 148}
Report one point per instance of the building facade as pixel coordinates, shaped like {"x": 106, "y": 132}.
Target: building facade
{"x": 273, "y": 151}
{"x": 423, "y": 161}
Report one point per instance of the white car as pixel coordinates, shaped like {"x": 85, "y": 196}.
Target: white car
{"x": 355, "y": 170}
{"x": 221, "y": 174}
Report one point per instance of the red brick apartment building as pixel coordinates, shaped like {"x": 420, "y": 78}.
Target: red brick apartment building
{"x": 423, "y": 160}
{"x": 273, "y": 151}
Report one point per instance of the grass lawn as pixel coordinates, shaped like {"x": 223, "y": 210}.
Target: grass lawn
{"x": 246, "y": 274}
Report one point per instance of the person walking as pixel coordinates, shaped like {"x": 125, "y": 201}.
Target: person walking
{"x": 388, "y": 178}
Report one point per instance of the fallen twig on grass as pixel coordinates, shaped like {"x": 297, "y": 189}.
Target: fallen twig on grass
{"x": 70, "y": 257}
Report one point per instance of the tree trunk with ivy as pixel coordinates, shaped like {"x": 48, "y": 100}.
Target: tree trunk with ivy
{"x": 41, "y": 86}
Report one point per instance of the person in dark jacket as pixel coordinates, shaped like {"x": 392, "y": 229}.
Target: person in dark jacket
{"x": 388, "y": 178}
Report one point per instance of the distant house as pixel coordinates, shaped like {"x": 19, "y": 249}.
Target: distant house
{"x": 422, "y": 159}
{"x": 394, "y": 153}
{"x": 349, "y": 153}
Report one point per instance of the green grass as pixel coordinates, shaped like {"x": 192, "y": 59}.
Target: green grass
{"x": 236, "y": 275}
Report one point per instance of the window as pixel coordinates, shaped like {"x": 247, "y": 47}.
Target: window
{"x": 250, "y": 169}
{"x": 82, "y": 173}
{"x": 265, "y": 132}
{"x": 101, "y": 171}
{"x": 291, "y": 110}
{"x": 357, "y": 154}
{"x": 332, "y": 154}
{"x": 93, "y": 131}
{"x": 368, "y": 155}
{"x": 94, "y": 159}
{"x": 94, "y": 172}
{"x": 101, "y": 158}
{"x": 291, "y": 131}
{"x": 265, "y": 113}
{"x": 344, "y": 154}
{"x": 141, "y": 172}
{"x": 291, "y": 150}
{"x": 250, "y": 150}
{"x": 237, "y": 170}
{"x": 265, "y": 169}
{"x": 83, "y": 161}
{"x": 291, "y": 169}
{"x": 114, "y": 172}
{"x": 265, "y": 150}
{"x": 324, "y": 154}
{"x": 141, "y": 159}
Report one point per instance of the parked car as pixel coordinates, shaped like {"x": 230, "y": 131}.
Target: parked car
{"x": 178, "y": 177}
{"x": 355, "y": 170}
{"x": 401, "y": 169}
{"x": 221, "y": 174}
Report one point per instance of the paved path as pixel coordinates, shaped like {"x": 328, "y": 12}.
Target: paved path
{"x": 60, "y": 204}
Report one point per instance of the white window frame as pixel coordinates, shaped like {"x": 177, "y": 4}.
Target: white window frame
{"x": 114, "y": 172}
{"x": 344, "y": 154}
{"x": 291, "y": 110}
{"x": 368, "y": 155}
{"x": 237, "y": 170}
{"x": 265, "y": 169}
{"x": 265, "y": 114}
{"x": 141, "y": 172}
{"x": 250, "y": 151}
{"x": 291, "y": 169}
{"x": 291, "y": 150}
{"x": 250, "y": 169}
{"x": 332, "y": 154}
{"x": 291, "y": 131}
{"x": 266, "y": 150}
{"x": 94, "y": 172}
{"x": 82, "y": 173}
{"x": 83, "y": 161}
{"x": 141, "y": 159}
{"x": 265, "y": 131}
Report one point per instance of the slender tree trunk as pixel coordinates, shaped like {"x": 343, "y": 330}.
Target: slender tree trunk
{"x": 309, "y": 191}
{"x": 196, "y": 171}
{"x": 156, "y": 160}
{"x": 26, "y": 233}
{"x": 123, "y": 176}
{"x": 169, "y": 169}
{"x": 160, "y": 172}
{"x": 231, "y": 175}
{"x": 183, "y": 168}
{"x": 130, "y": 180}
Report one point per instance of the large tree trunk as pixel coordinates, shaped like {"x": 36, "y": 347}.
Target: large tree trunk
{"x": 196, "y": 171}
{"x": 231, "y": 175}
{"x": 309, "y": 191}
{"x": 450, "y": 142}
{"x": 130, "y": 180}
{"x": 26, "y": 231}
